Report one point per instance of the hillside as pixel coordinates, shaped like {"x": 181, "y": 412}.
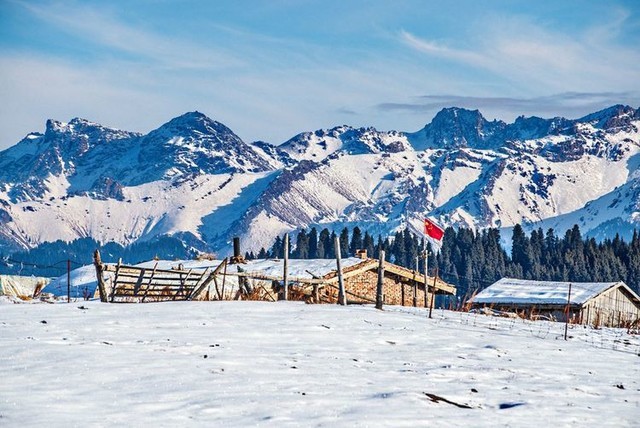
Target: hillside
{"x": 195, "y": 179}
{"x": 291, "y": 364}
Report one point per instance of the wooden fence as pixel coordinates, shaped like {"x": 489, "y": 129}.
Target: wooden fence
{"x": 131, "y": 284}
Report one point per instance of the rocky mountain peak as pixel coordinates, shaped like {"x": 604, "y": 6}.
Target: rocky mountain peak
{"x": 456, "y": 127}
{"x": 196, "y": 124}
{"x": 612, "y": 118}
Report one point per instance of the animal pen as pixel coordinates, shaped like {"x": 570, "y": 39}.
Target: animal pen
{"x": 313, "y": 281}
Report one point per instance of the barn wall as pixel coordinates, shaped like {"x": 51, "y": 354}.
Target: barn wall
{"x": 612, "y": 308}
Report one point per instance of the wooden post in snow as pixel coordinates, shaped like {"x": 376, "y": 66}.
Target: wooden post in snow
{"x": 567, "y": 312}
{"x": 224, "y": 276}
{"x": 415, "y": 284}
{"x": 342, "y": 297}
{"x": 285, "y": 273}
{"x": 101, "y": 287}
{"x": 379, "y": 288}
{"x": 69, "y": 281}
{"x": 426, "y": 287}
{"x": 433, "y": 292}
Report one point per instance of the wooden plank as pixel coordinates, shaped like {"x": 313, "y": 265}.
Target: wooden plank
{"x": 182, "y": 285}
{"x": 115, "y": 279}
{"x": 215, "y": 279}
{"x": 161, "y": 277}
{"x": 198, "y": 290}
{"x": 155, "y": 267}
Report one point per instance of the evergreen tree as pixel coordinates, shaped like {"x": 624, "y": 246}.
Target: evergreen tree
{"x": 398, "y": 250}
{"x": 344, "y": 243}
{"x": 330, "y": 249}
{"x": 368, "y": 244}
{"x": 302, "y": 245}
{"x": 410, "y": 248}
{"x": 323, "y": 243}
{"x": 277, "y": 250}
{"x": 313, "y": 243}
{"x": 521, "y": 250}
{"x": 356, "y": 241}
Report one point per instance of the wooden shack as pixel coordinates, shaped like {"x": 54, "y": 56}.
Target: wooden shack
{"x": 316, "y": 280}
{"x": 611, "y": 304}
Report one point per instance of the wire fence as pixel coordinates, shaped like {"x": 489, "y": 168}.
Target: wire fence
{"x": 9, "y": 265}
{"x": 617, "y": 339}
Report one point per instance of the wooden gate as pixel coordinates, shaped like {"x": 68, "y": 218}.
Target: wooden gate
{"x": 132, "y": 284}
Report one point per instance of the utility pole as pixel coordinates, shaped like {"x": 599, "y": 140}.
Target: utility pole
{"x": 285, "y": 273}
{"x": 433, "y": 292}
{"x": 426, "y": 267}
{"x": 379, "y": 289}
{"x": 342, "y": 298}
{"x": 68, "y": 281}
{"x": 567, "y": 312}
{"x": 415, "y": 283}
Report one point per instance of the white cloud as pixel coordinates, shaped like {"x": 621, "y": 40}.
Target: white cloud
{"x": 268, "y": 87}
{"x": 107, "y": 30}
{"x": 535, "y": 59}
{"x": 571, "y": 105}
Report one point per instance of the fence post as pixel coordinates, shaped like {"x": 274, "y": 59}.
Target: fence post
{"x": 342, "y": 298}
{"x": 285, "y": 273}
{"x": 433, "y": 292}
{"x": 415, "y": 283}
{"x": 68, "y": 281}
{"x": 379, "y": 288}
{"x": 101, "y": 286}
{"x": 566, "y": 324}
{"x": 426, "y": 287}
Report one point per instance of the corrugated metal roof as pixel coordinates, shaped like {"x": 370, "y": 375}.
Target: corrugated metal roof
{"x": 523, "y": 291}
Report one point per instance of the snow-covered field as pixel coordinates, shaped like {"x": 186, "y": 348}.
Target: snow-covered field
{"x": 291, "y": 364}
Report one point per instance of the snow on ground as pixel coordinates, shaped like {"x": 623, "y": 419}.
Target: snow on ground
{"x": 291, "y": 364}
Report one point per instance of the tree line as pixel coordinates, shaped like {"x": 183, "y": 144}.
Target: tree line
{"x": 469, "y": 260}
{"x": 474, "y": 260}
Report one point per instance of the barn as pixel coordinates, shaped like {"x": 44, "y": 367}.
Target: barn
{"x": 611, "y": 304}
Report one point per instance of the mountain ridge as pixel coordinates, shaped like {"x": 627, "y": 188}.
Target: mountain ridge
{"x": 195, "y": 176}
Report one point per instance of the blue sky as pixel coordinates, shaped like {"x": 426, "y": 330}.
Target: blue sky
{"x": 272, "y": 69}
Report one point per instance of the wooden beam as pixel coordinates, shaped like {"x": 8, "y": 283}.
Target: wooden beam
{"x": 196, "y": 292}
{"x": 149, "y": 282}
{"x": 115, "y": 279}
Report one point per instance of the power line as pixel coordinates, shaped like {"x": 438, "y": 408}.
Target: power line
{"x": 7, "y": 261}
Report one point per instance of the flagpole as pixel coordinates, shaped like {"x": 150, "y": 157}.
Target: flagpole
{"x": 435, "y": 232}
{"x": 426, "y": 268}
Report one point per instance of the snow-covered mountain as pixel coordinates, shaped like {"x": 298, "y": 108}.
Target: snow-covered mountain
{"x": 195, "y": 179}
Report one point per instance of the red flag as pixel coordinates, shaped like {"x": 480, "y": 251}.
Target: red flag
{"x": 433, "y": 230}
